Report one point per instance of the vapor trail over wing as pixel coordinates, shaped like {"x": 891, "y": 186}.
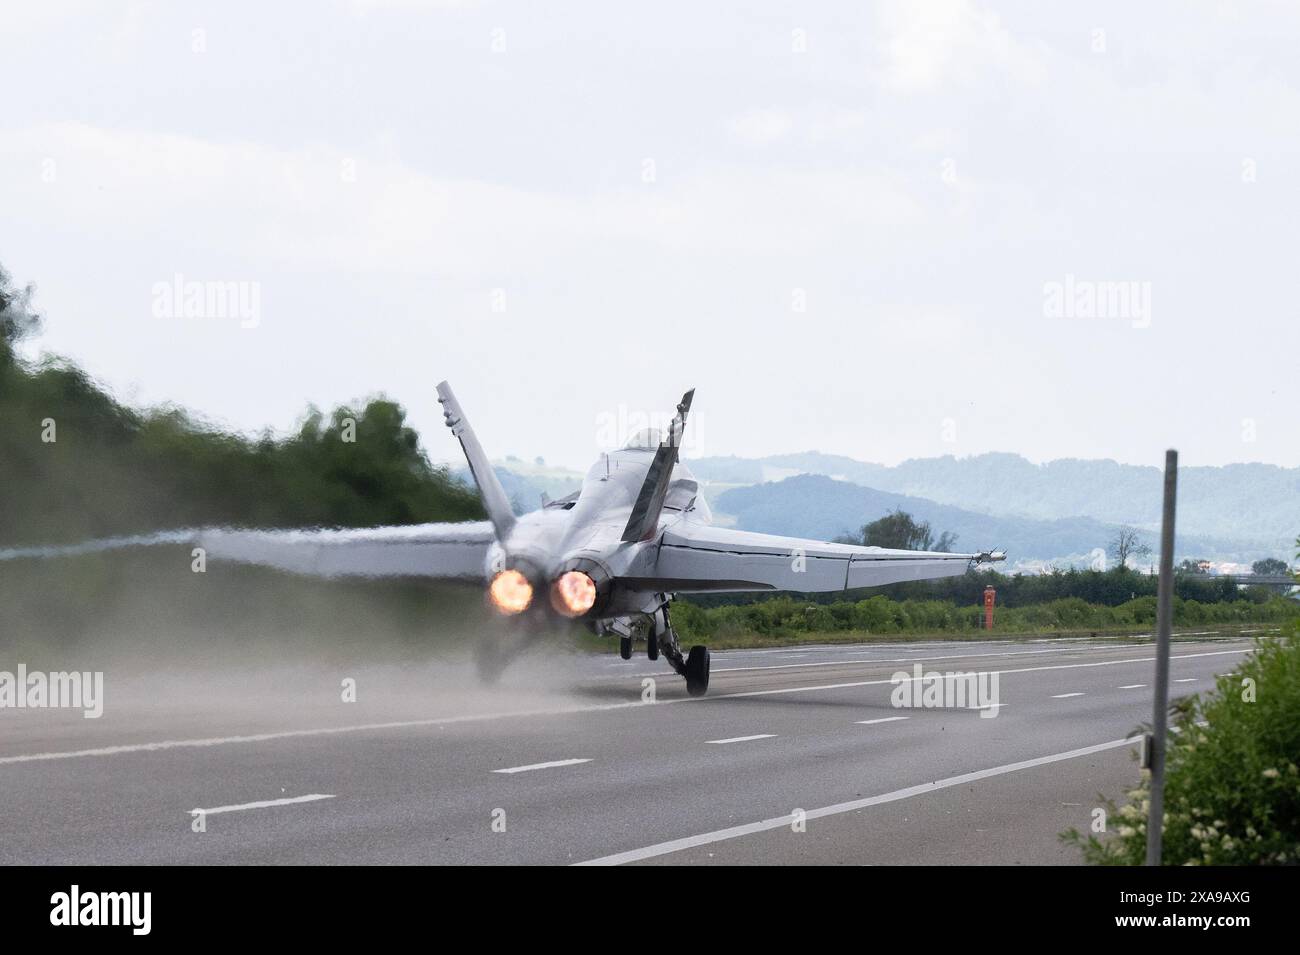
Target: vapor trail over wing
{"x": 449, "y": 551}
{"x": 453, "y": 551}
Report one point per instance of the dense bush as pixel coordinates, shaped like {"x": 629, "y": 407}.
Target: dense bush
{"x": 1110, "y": 588}
{"x": 114, "y": 470}
{"x": 1232, "y": 787}
{"x": 788, "y": 616}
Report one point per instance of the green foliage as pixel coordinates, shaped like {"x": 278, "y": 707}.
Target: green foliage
{"x": 1232, "y": 787}
{"x": 113, "y": 470}
{"x": 1111, "y": 588}
{"x": 788, "y": 616}
{"x": 17, "y": 319}
{"x": 900, "y": 530}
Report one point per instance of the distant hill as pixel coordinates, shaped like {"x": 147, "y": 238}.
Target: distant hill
{"x": 525, "y": 484}
{"x": 823, "y": 496}
{"x": 1249, "y": 508}
{"x": 820, "y": 507}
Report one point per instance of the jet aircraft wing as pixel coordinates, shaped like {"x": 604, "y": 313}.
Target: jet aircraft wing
{"x": 698, "y": 558}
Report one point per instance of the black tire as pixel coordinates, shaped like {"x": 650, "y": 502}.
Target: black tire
{"x": 652, "y": 647}
{"x": 625, "y": 647}
{"x": 697, "y": 671}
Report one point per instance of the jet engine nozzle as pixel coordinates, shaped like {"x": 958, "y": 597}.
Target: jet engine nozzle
{"x": 510, "y": 592}
{"x": 573, "y": 593}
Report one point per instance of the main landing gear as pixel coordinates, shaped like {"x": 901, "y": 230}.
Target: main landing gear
{"x": 696, "y": 670}
{"x": 661, "y": 638}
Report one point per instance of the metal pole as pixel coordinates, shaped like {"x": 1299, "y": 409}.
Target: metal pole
{"x": 1164, "y": 624}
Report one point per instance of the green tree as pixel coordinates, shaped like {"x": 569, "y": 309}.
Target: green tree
{"x": 112, "y": 470}
{"x": 1232, "y": 787}
{"x": 1269, "y": 567}
{"x": 17, "y": 319}
{"x": 897, "y": 530}
{"x": 947, "y": 540}
{"x": 1128, "y": 545}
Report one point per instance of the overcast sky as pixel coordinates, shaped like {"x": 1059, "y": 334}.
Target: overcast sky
{"x": 842, "y": 222}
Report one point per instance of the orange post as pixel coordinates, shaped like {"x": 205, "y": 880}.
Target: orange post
{"x": 989, "y": 595}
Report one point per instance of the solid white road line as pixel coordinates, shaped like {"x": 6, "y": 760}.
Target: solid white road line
{"x": 1133, "y": 686}
{"x": 883, "y": 719}
{"x": 857, "y": 683}
{"x": 780, "y": 822}
{"x": 262, "y": 804}
{"x": 1065, "y": 696}
{"x": 879, "y": 660}
{"x": 1190, "y": 679}
{"x": 553, "y": 711}
{"x": 550, "y": 765}
{"x": 742, "y": 739}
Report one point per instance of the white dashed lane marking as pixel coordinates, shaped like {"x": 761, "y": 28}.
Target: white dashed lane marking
{"x": 1065, "y": 696}
{"x": 551, "y": 765}
{"x": 883, "y": 719}
{"x": 743, "y": 739}
{"x": 262, "y": 804}
{"x": 158, "y": 745}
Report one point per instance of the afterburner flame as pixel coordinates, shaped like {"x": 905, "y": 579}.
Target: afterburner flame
{"x": 573, "y": 594}
{"x": 511, "y": 592}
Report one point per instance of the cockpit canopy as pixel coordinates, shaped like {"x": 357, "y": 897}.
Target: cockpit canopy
{"x": 647, "y": 439}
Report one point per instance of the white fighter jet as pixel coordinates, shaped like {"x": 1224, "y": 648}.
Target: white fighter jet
{"x": 612, "y": 555}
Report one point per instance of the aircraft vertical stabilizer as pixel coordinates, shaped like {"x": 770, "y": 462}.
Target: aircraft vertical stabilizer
{"x": 650, "y": 501}
{"x": 494, "y": 497}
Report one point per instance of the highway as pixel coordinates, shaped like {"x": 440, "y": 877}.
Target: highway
{"x": 566, "y": 762}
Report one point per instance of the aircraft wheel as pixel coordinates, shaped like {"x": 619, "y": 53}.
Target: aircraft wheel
{"x": 697, "y": 671}
{"x": 652, "y": 647}
{"x": 625, "y": 647}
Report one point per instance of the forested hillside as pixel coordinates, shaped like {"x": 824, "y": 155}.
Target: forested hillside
{"x": 1250, "y": 508}
{"x": 813, "y": 506}
{"x": 75, "y": 463}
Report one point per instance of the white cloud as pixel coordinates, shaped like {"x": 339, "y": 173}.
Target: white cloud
{"x": 761, "y": 127}
{"x": 369, "y": 211}
{"x": 939, "y": 42}
{"x": 474, "y": 171}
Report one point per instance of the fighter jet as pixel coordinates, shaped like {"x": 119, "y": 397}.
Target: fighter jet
{"x": 611, "y": 556}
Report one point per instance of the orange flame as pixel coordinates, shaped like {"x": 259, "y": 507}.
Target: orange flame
{"x": 511, "y": 592}
{"x": 573, "y": 594}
